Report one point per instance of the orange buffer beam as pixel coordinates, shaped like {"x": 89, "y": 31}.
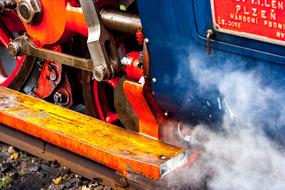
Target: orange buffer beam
{"x": 115, "y": 147}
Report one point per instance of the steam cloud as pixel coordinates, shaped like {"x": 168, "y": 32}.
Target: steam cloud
{"x": 241, "y": 156}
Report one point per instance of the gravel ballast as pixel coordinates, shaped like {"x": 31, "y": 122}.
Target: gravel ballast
{"x": 20, "y": 171}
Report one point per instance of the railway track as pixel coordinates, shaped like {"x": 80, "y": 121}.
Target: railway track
{"x": 136, "y": 66}
{"x": 20, "y": 170}
{"x": 77, "y": 164}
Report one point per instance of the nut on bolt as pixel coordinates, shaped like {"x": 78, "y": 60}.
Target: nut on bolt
{"x": 29, "y": 11}
{"x": 7, "y": 4}
{"x": 101, "y": 73}
{"x": 60, "y": 98}
{"x": 14, "y": 48}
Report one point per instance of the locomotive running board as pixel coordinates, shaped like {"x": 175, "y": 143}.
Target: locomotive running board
{"x": 112, "y": 146}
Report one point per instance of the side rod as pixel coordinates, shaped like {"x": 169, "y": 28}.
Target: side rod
{"x": 24, "y": 45}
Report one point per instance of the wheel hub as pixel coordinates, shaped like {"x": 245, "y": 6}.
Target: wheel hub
{"x": 29, "y": 11}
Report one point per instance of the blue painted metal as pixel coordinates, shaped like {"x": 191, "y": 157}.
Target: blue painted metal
{"x": 176, "y": 31}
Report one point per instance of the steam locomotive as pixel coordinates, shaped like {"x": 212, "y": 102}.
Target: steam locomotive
{"x": 139, "y": 64}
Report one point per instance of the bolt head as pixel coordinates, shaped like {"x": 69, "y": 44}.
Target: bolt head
{"x": 61, "y": 97}
{"x": 52, "y": 75}
{"x": 29, "y": 11}
{"x": 100, "y": 73}
{"x": 14, "y": 48}
{"x": 163, "y": 157}
{"x": 57, "y": 97}
{"x": 25, "y": 10}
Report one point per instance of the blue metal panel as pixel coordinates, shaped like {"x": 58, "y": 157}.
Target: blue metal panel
{"x": 176, "y": 31}
{"x": 257, "y": 49}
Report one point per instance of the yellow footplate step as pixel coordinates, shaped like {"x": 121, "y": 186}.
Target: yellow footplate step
{"x": 115, "y": 147}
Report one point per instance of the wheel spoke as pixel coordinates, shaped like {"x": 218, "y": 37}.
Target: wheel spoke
{"x": 9, "y": 65}
{"x": 4, "y": 37}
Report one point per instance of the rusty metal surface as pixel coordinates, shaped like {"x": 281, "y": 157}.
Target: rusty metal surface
{"x": 112, "y": 146}
{"x": 123, "y": 107}
{"x": 76, "y": 163}
{"x": 46, "y": 151}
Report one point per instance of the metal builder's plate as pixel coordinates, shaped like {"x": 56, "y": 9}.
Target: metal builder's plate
{"x": 262, "y": 20}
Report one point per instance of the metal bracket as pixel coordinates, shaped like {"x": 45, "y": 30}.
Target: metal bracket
{"x": 100, "y": 43}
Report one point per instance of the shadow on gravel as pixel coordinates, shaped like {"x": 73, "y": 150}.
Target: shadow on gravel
{"x": 30, "y": 181}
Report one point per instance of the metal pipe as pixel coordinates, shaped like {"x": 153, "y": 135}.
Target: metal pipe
{"x": 121, "y": 21}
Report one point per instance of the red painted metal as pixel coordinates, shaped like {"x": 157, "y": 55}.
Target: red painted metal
{"x": 12, "y": 21}
{"x": 133, "y": 71}
{"x": 114, "y": 82}
{"x": 102, "y": 104}
{"x": 46, "y": 84}
{"x": 140, "y": 36}
{"x": 49, "y": 78}
{"x": 111, "y": 117}
{"x": 74, "y": 3}
{"x": 257, "y": 19}
{"x": 101, "y": 100}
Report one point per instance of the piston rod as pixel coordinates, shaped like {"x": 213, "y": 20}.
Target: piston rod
{"x": 120, "y": 21}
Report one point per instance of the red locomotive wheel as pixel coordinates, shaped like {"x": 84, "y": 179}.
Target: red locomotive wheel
{"x": 13, "y": 71}
{"x": 99, "y": 99}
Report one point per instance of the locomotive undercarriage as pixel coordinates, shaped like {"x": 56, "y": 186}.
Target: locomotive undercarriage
{"x": 62, "y": 70}
{"x": 88, "y": 56}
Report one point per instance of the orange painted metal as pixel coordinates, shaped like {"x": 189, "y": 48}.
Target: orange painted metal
{"x": 115, "y": 147}
{"x": 52, "y": 25}
{"x": 147, "y": 122}
{"x": 60, "y": 21}
{"x": 75, "y": 20}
